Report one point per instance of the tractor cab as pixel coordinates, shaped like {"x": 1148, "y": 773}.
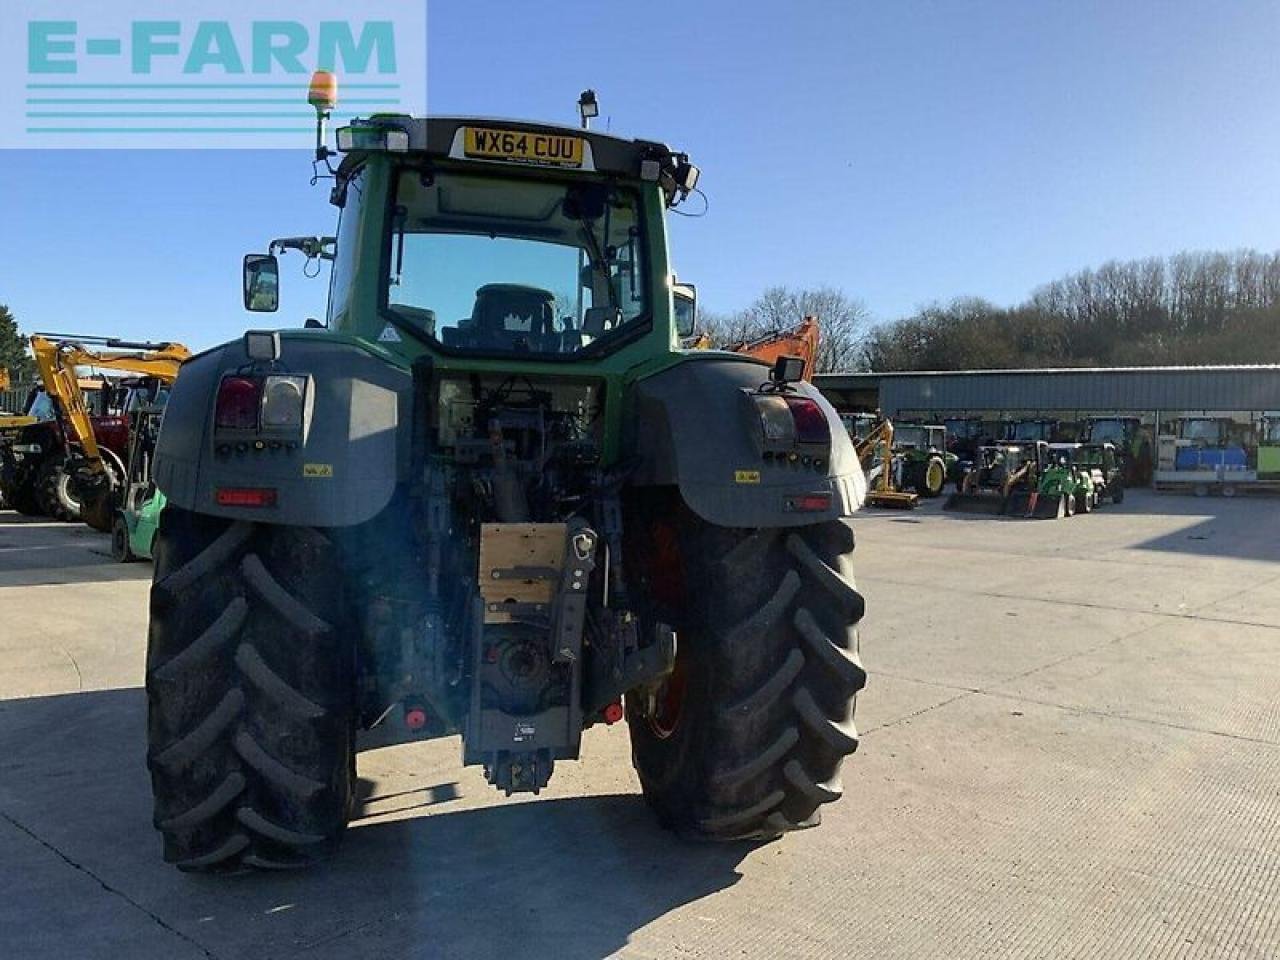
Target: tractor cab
{"x": 919, "y": 437}
{"x": 1032, "y": 431}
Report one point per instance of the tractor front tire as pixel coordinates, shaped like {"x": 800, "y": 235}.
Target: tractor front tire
{"x": 53, "y": 489}
{"x": 746, "y": 737}
{"x": 250, "y": 689}
{"x": 1117, "y": 495}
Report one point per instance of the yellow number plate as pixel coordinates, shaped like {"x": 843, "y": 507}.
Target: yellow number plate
{"x": 517, "y": 146}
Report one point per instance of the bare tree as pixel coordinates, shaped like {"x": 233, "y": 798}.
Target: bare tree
{"x": 842, "y": 323}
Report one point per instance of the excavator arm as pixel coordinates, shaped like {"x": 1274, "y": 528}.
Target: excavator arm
{"x": 57, "y": 358}
{"x": 799, "y": 341}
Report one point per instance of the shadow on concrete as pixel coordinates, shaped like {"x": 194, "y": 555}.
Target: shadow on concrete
{"x": 570, "y": 878}
{"x": 37, "y": 550}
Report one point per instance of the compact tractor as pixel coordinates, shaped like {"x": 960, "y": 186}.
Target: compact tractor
{"x": 492, "y": 496}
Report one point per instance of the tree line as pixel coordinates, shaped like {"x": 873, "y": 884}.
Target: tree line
{"x": 1187, "y": 309}
{"x": 1190, "y": 308}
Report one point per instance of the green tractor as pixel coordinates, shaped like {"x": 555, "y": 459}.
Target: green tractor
{"x": 491, "y": 497}
{"x": 1105, "y": 468}
{"x": 1133, "y": 443}
{"x": 921, "y": 456}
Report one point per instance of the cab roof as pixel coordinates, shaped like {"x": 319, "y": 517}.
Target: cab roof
{"x": 444, "y": 137}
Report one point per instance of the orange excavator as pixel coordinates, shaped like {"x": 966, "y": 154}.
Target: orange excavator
{"x": 798, "y": 341}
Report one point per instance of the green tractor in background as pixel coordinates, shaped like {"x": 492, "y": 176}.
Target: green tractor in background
{"x": 922, "y": 459}
{"x": 1102, "y": 462}
{"x": 1133, "y": 442}
{"x": 491, "y": 496}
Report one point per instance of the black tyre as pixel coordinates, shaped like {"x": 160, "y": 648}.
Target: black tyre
{"x": 747, "y": 736}
{"x": 22, "y": 495}
{"x": 1084, "y": 502}
{"x": 121, "y": 552}
{"x": 1117, "y": 494}
{"x": 54, "y": 491}
{"x": 932, "y": 478}
{"x": 250, "y": 695}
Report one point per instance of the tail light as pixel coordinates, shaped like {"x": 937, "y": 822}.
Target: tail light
{"x": 245, "y": 496}
{"x": 787, "y": 420}
{"x": 237, "y": 405}
{"x": 811, "y": 423}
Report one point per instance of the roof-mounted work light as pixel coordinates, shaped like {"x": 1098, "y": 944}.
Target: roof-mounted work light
{"x": 588, "y": 108}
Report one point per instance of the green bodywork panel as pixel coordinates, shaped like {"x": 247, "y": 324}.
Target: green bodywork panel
{"x": 1059, "y": 480}
{"x": 142, "y": 524}
{"x": 1269, "y": 461}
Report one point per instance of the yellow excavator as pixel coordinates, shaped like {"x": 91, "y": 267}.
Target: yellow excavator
{"x": 69, "y": 467}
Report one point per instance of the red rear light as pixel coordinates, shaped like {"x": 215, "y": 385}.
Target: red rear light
{"x": 237, "y": 405}
{"x": 245, "y": 496}
{"x": 811, "y": 423}
{"x": 810, "y": 503}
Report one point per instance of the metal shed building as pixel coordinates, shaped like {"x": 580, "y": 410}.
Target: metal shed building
{"x": 1081, "y": 390}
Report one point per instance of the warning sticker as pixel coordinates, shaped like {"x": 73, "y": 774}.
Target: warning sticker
{"x": 317, "y": 469}
{"x": 388, "y": 335}
{"x": 746, "y": 476}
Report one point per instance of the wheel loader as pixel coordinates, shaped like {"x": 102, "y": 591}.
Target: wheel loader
{"x": 493, "y": 498}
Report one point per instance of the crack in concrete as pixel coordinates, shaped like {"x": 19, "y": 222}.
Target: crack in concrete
{"x": 159, "y": 921}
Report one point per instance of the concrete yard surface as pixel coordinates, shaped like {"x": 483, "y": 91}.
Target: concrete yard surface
{"x": 1071, "y": 748}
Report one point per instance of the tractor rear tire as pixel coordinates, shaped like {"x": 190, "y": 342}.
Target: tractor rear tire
{"x": 767, "y": 673}
{"x": 250, "y": 690}
{"x": 53, "y": 490}
{"x": 1117, "y": 495}
{"x": 932, "y": 478}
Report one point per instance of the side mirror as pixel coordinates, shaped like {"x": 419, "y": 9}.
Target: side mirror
{"x": 261, "y": 283}
{"x": 685, "y": 298}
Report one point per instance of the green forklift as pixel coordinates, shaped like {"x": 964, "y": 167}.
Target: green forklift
{"x": 137, "y": 514}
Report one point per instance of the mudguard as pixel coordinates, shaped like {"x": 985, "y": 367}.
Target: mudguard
{"x": 343, "y": 467}
{"x": 691, "y": 427}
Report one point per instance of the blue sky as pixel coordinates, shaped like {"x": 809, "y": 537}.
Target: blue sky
{"x": 902, "y": 151}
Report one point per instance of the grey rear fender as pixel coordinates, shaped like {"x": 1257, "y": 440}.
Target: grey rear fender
{"x": 694, "y": 426}
{"x": 340, "y": 469}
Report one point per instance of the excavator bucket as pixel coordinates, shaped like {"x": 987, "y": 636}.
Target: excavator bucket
{"x": 988, "y": 502}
